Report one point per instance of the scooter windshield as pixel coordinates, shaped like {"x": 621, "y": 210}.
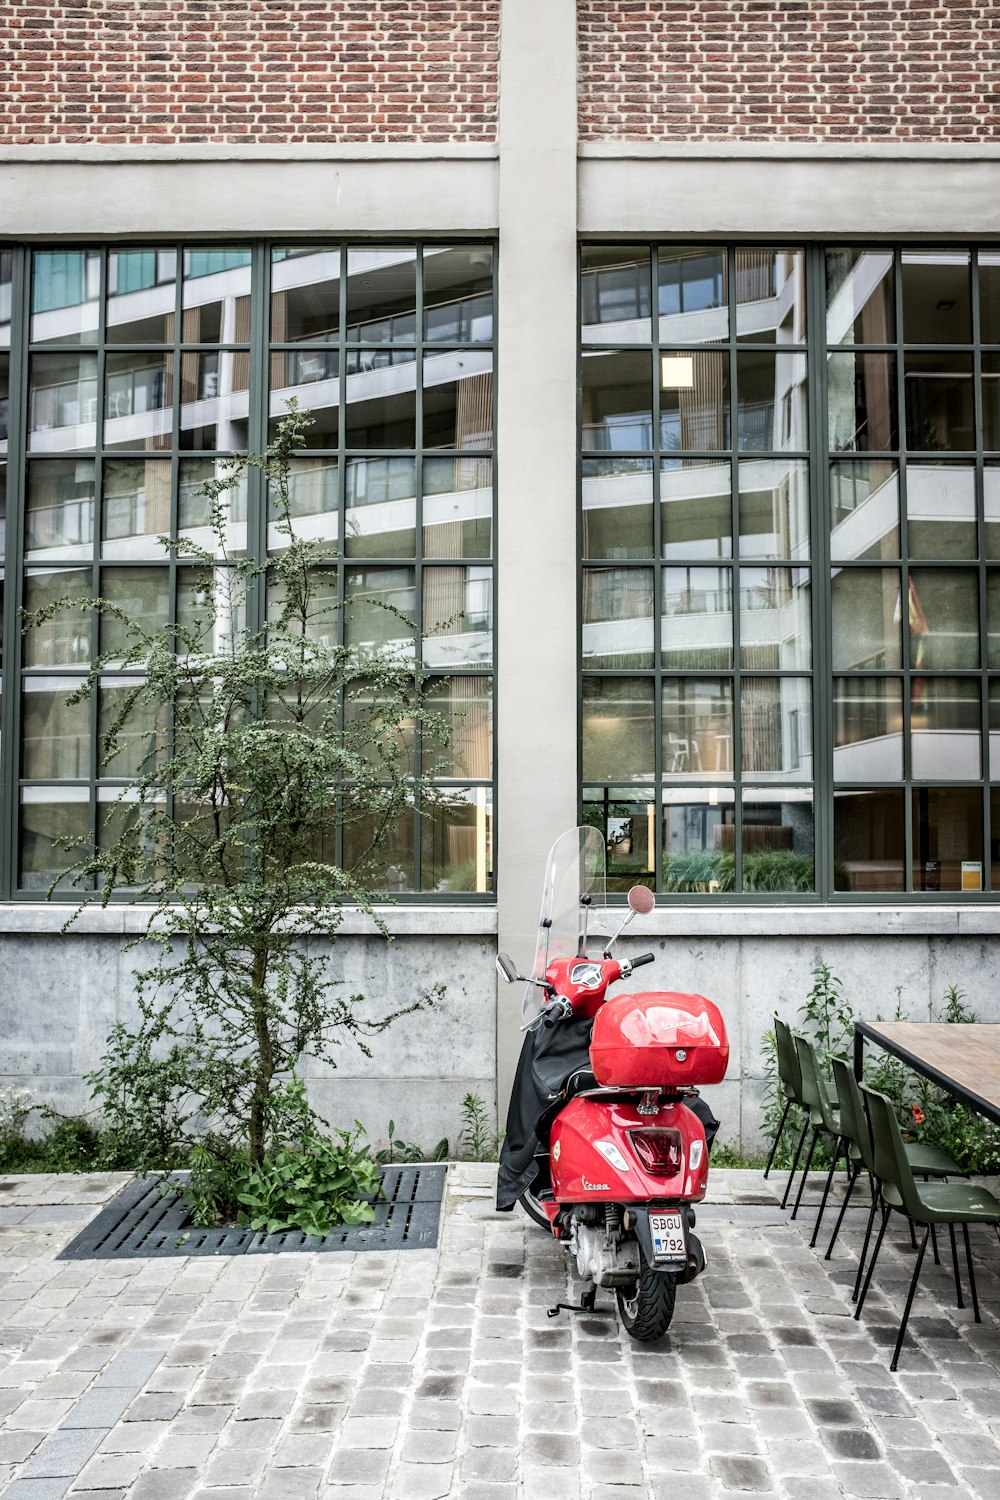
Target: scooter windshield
{"x": 574, "y": 887}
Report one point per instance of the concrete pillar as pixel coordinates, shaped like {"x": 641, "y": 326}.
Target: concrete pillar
{"x": 536, "y": 444}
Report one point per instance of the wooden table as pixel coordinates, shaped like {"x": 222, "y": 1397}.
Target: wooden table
{"x": 962, "y": 1058}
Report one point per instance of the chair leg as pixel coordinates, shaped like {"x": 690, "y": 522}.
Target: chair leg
{"x": 934, "y": 1243}
{"x": 913, "y": 1237}
{"x": 777, "y": 1137}
{"x": 805, "y": 1171}
{"x": 972, "y": 1274}
{"x": 954, "y": 1262}
{"x": 852, "y": 1179}
{"x": 909, "y": 1300}
{"x": 871, "y": 1263}
{"x": 826, "y": 1190}
{"x": 864, "y": 1247}
{"x": 795, "y": 1163}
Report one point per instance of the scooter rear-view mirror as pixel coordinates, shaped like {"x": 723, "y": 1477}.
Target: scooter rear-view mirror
{"x": 641, "y": 902}
{"x": 506, "y": 969}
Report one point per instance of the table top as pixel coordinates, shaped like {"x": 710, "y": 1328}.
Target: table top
{"x": 963, "y": 1058}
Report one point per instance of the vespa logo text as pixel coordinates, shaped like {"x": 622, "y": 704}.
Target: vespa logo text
{"x": 594, "y": 1187}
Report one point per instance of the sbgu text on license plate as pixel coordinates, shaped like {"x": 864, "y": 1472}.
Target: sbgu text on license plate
{"x": 667, "y": 1230}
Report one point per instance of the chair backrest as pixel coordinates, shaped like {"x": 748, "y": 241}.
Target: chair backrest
{"x": 891, "y": 1164}
{"x": 789, "y": 1073}
{"x": 814, "y": 1093}
{"x": 853, "y": 1120}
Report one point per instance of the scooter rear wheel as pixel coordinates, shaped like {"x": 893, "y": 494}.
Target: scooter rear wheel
{"x": 647, "y": 1308}
{"x": 535, "y": 1211}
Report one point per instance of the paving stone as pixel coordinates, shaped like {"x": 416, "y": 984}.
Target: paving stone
{"x": 875, "y": 1481}
{"x": 740, "y": 1473}
{"x": 925, "y": 1465}
{"x": 422, "y": 1481}
{"x": 164, "y": 1484}
{"x": 35, "y": 1489}
{"x": 63, "y": 1454}
{"x": 291, "y": 1484}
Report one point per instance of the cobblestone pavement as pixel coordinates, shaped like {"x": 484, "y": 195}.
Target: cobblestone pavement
{"x": 422, "y": 1375}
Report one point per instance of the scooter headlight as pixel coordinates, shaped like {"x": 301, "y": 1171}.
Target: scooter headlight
{"x": 612, "y": 1155}
{"x": 659, "y": 1151}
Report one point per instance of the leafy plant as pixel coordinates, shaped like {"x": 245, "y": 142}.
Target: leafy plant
{"x": 259, "y": 810}
{"x": 399, "y": 1150}
{"x": 480, "y": 1142}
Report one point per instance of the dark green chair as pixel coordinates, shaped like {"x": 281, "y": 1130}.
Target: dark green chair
{"x": 790, "y": 1083}
{"x": 925, "y": 1203}
{"x": 820, "y": 1114}
{"x": 925, "y": 1161}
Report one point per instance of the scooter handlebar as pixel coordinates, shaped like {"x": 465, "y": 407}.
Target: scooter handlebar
{"x": 644, "y": 958}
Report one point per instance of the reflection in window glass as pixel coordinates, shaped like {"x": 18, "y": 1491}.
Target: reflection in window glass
{"x": 466, "y": 706}
{"x": 305, "y": 294}
{"x": 216, "y": 296}
{"x": 694, "y": 400}
{"x": 989, "y": 296}
{"x": 861, "y": 400}
{"x": 458, "y": 399}
{"x": 696, "y": 516}
{"x": 617, "y": 728}
{"x": 380, "y": 604}
{"x": 941, "y": 510}
{"x": 772, "y": 410}
{"x": 65, "y": 286}
{"x": 49, "y": 817}
{"x": 64, "y": 639}
{"x": 458, "y": 293}
{"x": 770, "y": 295}
{"x": 776, "y": 727}
{"x": 194, "y": 507}
{"x": 867, "y": 615}
{"x": 392, "y": 866}
{"x": 59, "y": 512}
{"x": 697, "y": 624}
{"x": 141, "y": 299}
{"x": 698, "y": 825}
{"x": 860, "y": 297}
{"x": 62, "y": 402}
{"x": 381, "y": 507}
{"x": 990, "y": 386}
{"x": 944, "y": 618}
{"x": 618, "y": 617}
{"x": 142, "y": 737}
{"x": 6, "y": 288}
{"x": 615, "y": 294}
{"x": 456, "y": 843}
{"x": 937, "y": 305}
{"x": 864, "y": 509}
{"x": 945, "y": 728}
{"x": 214, "y": 401}
{"x": 313, "y": 503}
{"x": 211, "y": 610}
{"x": 626, "y": 817}
{"x": 381, "y": 407}
{"x": 140, "y": 601}
{"x": 617, "y": 495}
{"x": 458, "y": 507}
{"x": 697, "y": 726}
{"x": 381, "y": 295}
{"x": 947, "y": 838}
{"x": 55, "y": 734}
{"x": 617, "y": 400}
{"x": 692, "y": 293}
{"x": 777, "y": 839}
{"x": 774, "y": 508}
{"x": 458, "y": 616}
{"x": 775, "y": 624}
{"x": 869, "y": 841}
{"x": 939, "y": 411}
{"x": 137, "y": 400}
{"x": 135, "y": 506}
{"x": 867, "y": 728}
{"x": 309, "y": 377}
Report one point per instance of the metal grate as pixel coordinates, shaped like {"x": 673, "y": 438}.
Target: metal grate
{"x": 144, "y": 1220}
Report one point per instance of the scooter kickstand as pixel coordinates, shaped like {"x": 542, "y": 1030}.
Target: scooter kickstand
{"x": 586, "y": 1305}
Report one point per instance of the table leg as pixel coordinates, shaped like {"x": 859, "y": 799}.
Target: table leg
{"x": 859, "y": 1056}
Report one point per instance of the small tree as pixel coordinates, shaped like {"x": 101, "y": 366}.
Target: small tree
{"x": 259, "y": 745}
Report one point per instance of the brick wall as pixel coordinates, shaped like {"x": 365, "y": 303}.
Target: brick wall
{"x": 781, "y": 69}
{"x": 166, "y": 71}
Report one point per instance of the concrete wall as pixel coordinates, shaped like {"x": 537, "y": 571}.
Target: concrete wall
{"x": 61, "y": 993}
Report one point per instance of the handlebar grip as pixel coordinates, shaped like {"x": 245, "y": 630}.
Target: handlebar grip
{"x": 644, "y": 958}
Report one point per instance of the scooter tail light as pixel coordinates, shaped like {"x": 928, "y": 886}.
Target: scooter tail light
{"x": 659, "y": 1151}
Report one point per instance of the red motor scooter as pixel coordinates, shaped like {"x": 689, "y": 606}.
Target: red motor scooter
{"x": 607, "y": 1139}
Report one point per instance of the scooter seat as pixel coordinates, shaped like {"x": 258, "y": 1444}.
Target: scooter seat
{"x": 579, "y": 1082}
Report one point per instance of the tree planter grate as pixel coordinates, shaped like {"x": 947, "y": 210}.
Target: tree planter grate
{"x": 143, "y": 1220}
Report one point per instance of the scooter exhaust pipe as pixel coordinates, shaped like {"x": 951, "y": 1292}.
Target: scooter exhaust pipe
{"x": 695, "y": 1263}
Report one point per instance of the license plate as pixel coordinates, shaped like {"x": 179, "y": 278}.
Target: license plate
{"x": 667, "y": 1231}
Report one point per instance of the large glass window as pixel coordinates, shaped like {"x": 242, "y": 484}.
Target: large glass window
{"x": 801, "y": 699}
{"x": 144, "y": 367}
